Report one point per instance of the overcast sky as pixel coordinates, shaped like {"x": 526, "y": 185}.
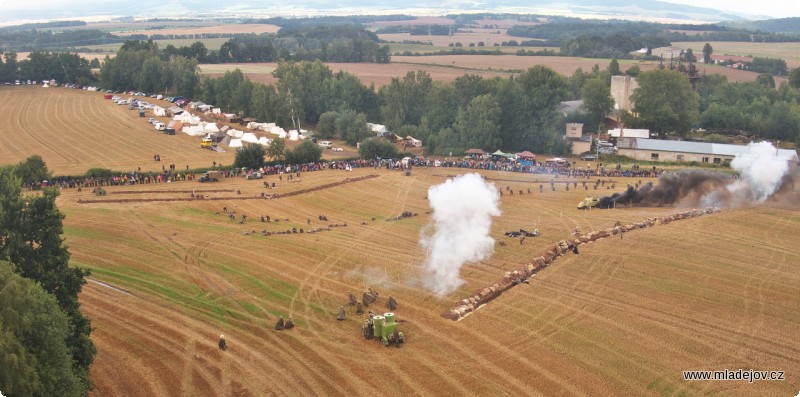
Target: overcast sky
{"x": 46, "y": 9}
{"x": 773, "y": 8}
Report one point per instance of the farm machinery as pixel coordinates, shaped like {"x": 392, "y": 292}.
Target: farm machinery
{"x": 210, "y": 176}
{"x": 384, "y": 329}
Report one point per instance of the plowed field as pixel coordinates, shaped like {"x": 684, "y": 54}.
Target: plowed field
{"x": 624, "y": 317}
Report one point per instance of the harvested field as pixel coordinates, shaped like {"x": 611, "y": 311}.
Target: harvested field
{"x": 449, "y": 67}
{"x": 488, "y": 36}
{"x": 563, "y": 65}
{"x": 624, "y": 317}
{"x": 369, "y": 73}
{"x": 74, "y": 130}
{"x": 786, "y": 51}
{"x": 224, "y": 29}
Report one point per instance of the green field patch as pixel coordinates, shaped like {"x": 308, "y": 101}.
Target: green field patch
{"x": 73, "y": 231}
{"x": 186, "y": 295}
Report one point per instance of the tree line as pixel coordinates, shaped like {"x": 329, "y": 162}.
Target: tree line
{"x": 45, "y": 348}
{"x": 45, "y": 65}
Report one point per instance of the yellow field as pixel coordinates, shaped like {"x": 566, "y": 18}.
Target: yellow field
{"x": 789, "y": 52}
{"x": 624, "y": 317}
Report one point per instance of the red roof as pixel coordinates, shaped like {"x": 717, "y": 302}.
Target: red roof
{"x": 527, "y": 155}
{"x": 476, "y": 151}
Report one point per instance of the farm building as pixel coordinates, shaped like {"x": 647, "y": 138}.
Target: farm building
{"x": 701, "y": 152}
{"x": 621, "y": 89}
{"x": 629, "y": 133}
{"x": 580, "y": 142}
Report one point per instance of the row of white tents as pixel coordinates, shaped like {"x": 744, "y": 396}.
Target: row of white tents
{"x": 292, "y": 135}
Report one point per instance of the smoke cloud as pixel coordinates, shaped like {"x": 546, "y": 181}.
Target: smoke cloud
{"x": 762, "y": 171}
{"x": 761, "y": 174}
{"x": 459, "y": 231}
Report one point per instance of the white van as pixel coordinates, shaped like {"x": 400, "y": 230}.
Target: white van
{"x": 159, "y": 126}
{"x": 326, "y": 144}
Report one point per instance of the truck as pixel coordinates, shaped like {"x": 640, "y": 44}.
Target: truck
{"x": 207, "y": 143}
{"x": 210, "y": 176}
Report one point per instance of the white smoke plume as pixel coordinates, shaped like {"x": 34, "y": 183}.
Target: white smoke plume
{"x": 462, "y": 218}
{"x": 761, "y": 171}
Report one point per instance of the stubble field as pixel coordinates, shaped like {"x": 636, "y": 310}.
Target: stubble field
{"x": 450, "y": 67}
{"x": 624, "y": 317}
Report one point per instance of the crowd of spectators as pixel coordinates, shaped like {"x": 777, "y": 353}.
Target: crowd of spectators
{"x": 551, "y": 168}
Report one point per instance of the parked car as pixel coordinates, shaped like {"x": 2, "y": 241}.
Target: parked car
{"x": 255, "y": 175}
{"x": 589, "y": 157}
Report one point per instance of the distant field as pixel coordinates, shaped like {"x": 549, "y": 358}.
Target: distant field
{"x": 488, "y": 36}
{"x": 427, "y": 49}
{"x": 449, "y": 67}
{"x": 789, "y": 52}
{"x": 229, "y": 29}
{"x": 369, "y": 73}
{"x": 624, "y": 317}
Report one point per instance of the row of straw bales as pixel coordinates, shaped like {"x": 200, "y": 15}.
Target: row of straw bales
{"x": 512, "y": 278}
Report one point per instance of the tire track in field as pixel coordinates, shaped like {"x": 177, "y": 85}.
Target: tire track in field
{"x": 33, "y": 132}
{"x": 317, "y": 274}
{"x": 52, "y": 123}
{"x": 207, "y": 363}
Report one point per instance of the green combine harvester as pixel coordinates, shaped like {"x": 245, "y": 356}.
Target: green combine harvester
{"x": 383, "y": 328}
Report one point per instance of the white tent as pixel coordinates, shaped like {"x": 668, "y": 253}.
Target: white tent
{"x": 264, "y": 141}
{"x": 258, "y": 126}
{"x": 187, "y": 118}
{"x": 235, "y": 133}
{"x": 216, "y": 111}
{"x": 294, "y": 135}
{"x": 210, "y": 127}
{"x": 379, "y": 129}
{"x": 249, "y": 137}
{"x": 235, "y": 143}
{"x": 193, "y": 130}
{"x": 159, "y": 111}
{"x": 46, "y": 85}
{"x": 280, "y": 132}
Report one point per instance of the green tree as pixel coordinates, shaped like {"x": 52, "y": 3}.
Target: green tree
{"x": 405, "y": 100}
{"x": 479, "y": 123}
{"x": 264, "y": 104}
{"x": 30, "y": 238}
{"x": 326, "y": 128}
{"x": 34, "y": 334}
{"x": 443, "y": 103}
{"x": 372, "y": 148}
{"x": 306, "y": 152}
{"x": 597, "y": 102}
{"x": 32, "y": 170}
{"x": 277, "y": 150}
{"x": 352, "y": 126}
{"x": 613, "y": 67}
{"x": 707, "y": 51}
{"x": 766, "y": 80}
{"x": 665, "y": 102}
{"x": 688, "y": 55}
{"x": 250, "y": 156}
{"x": 794, "y": 78}
{"x": 633, "y": 71}
{"x": 303, "y": 84}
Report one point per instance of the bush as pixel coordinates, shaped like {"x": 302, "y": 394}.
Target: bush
{"x": 250, "y": 156}
{"x": 306, "y": 152}
{"x": 98, "y": 173}
{"x": 372, "y": 148}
